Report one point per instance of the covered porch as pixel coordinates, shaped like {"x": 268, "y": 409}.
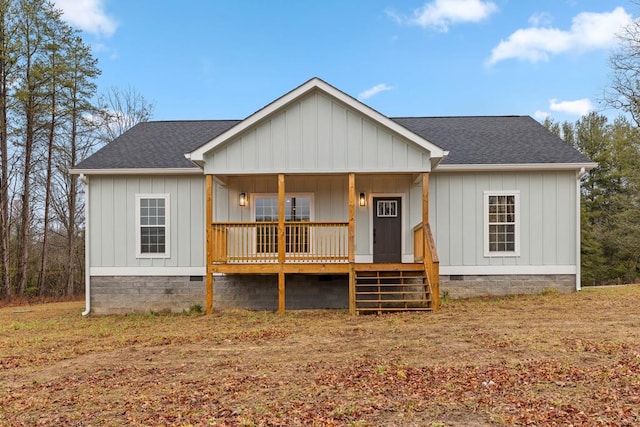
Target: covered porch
{"x": 323, "y": 246}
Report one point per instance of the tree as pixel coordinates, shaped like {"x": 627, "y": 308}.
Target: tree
{"x": 30, "y": 38}
{"x": 624, "y": 93}
{"x": 46, "y": 87}
{"x": 7, "y": 67}
{"x": 610, "y": 198}
{"x": 60, "y": 51}
{"x": 81, "y": 137}
{"x": 120, "y": 110}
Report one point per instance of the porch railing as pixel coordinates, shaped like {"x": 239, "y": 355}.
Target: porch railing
{"x": 424, "y": 250}
{"x": 258, "y": 242}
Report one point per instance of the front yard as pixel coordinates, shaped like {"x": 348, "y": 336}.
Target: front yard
{"x": 539, "y": 360}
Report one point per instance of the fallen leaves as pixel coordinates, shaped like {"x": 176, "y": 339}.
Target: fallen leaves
{"x": 484, "y": 362}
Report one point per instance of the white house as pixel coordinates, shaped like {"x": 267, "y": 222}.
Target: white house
{"x": 319, "y": 201}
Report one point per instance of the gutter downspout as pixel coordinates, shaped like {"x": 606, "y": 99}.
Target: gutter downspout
{"x": 581, "y": 173}
{"x": 87, "y": 277}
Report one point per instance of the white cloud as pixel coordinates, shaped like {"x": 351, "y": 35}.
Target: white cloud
{"x": 579, "y": 107}
{"x": 88, "y": 15}
{"x": 441, "y": 14}
{"x": 368, "y": 93}
{"x": 589, "y": 31}
{"x": 540, "y": 115}
{"x": 540, "y": 19}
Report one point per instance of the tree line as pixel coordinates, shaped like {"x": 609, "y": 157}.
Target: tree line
{"x": 610, "y": 195}
{"x": 51, "y": 117}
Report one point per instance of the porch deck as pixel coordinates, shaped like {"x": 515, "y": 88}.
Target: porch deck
{"x": 323, "y": 248}
{"x": 311, "y": 247}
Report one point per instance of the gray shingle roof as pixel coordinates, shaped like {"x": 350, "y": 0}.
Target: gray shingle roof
{"x": 469, "y": 140}
{"x": 493, "y": 140}
{"x": 156, "y": 145}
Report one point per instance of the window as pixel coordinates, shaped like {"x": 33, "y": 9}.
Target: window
{"x": 152, "y": 225}
{"x": 297, "y": 210}
{"x": 502, "y": 223}
{"x": 387, "y": 208}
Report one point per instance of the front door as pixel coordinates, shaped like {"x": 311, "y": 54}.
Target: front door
{"x": 387, "y": 229}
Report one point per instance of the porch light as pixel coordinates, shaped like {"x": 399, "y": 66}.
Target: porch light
{"x": 363, "y": 199}
{"x": 242, "y": 200}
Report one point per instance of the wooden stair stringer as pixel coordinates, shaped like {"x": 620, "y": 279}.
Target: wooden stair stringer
{"x": 391, "y": 287}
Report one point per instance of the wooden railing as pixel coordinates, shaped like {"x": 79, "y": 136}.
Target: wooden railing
{"x": 257, "y": 242}
{"x": 424, "y": 250}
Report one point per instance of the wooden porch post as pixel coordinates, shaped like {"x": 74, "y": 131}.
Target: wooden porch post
{"x": 425, "y": 199}
{"x": 281, "y": 243}
{"x": 209, "y": 231}
{"x": 434, "y": 272}
{"x": 352, "y": 243}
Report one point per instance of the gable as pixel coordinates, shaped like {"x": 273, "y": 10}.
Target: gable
{"x": 317, "y": 134}
{"x": 329, "y": 127}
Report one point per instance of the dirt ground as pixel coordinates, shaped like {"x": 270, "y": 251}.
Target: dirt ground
{"x": 531, "y": 360}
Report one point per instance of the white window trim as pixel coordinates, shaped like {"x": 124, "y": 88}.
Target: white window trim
{"x": 255, "y": 196}
{"x": 516, "y": 252}
{"x": 167, "y": 225}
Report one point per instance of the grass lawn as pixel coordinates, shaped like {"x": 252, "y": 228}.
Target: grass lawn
{"x": 539, "y": 360}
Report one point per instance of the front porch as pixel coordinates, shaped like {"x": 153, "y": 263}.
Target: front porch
{"x": 323, "y": 248}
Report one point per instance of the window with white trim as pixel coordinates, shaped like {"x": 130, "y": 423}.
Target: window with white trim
{"x": 297, "y": 210}
{"x": 152, "y": 225}
{"x": 502, "y": 223}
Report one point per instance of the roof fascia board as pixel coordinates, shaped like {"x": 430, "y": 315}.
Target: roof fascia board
{"x": 138, "y": 171}
{"x": 198, "y": 154}
{"x": 514, "y": 167}
{"x": 244, "y": 172}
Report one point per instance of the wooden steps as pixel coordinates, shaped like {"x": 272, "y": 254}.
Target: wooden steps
{"x": 392, "y": 287}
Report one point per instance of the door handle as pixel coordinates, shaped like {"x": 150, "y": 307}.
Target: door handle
{"x": 374, "y": 236}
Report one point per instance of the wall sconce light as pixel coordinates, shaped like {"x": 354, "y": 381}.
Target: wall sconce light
{"x": 242, "y": 199}
{"x": 363, "y": 199}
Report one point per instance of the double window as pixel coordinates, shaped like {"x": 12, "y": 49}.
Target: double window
{"x": 502, "y": 232}
{"x": 152, "y": 225}
{"x": 297, "y": 210}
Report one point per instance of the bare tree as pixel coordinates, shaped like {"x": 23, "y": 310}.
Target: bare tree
{"x": 624, "y": 93}
{"x": 120, "y": 110}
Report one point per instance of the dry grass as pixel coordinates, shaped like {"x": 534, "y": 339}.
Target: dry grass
{"x": 550, "y": 359}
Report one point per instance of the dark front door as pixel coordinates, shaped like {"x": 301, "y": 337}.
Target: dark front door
{"x": 387, "y": 229}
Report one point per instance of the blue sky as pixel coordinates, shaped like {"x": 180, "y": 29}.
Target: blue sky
{"x": 225, "y": 59}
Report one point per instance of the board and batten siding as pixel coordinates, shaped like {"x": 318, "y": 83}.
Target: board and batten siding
{"x": 113, "y": 220}
{"x": 547, "y": 217}
{"x": 317, "y": 134}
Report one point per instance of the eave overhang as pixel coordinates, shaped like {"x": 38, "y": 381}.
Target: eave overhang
{"x": 517, "y": 167}
{"x": 138, "y": 171}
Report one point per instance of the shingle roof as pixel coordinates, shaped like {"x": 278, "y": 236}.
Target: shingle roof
{"x": 493, "y": 140}
{"x": 156, "y": 145}
{"x": 469, "y": 140}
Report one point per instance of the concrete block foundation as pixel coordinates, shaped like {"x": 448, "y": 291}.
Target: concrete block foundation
{"x": 260, "y": 292}
{"x": 131, "y": 294}
{"x": 135, "y": 294}
{"x": 500, "y": 285}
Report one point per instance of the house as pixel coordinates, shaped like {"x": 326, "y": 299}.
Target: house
{"x": 319, "y": 201}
